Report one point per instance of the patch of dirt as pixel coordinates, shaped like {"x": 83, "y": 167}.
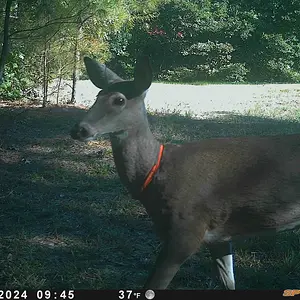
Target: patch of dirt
{"x": 10, "y": 157}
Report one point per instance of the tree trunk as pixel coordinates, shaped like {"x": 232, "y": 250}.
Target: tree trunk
{"x": 5, "y": 46}
{"x": 45, "y": 74}
{"x": 76, "y": 58}
{"x": 59, "y": 85}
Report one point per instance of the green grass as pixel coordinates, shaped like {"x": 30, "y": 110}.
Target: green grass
{"x": 67, "y": 222}
{"x": 203, "y": 82}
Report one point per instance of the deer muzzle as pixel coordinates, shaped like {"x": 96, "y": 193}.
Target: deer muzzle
{"x": 82, "y": 132}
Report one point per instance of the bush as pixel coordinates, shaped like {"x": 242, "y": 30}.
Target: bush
{"x": 211, "y": 53}
{"x": 182, "y": 74}
{"x": 276, "y": 60}
{"x": 16, "y": 82}
{"x": 281, "y": 70}
{"x": 234, "y": 72}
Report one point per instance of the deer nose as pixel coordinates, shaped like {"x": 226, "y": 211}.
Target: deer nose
{"x": 80, "y": 132}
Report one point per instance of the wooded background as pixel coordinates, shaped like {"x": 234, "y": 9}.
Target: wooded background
{"x": 187, "y": 40}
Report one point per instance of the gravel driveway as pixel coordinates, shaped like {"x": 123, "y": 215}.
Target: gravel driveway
{"x": 199, "y": 100}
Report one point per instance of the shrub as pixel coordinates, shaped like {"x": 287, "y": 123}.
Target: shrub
{"x": 16, "y": 80}
{"x": 277, "y": 60}
{"x": 281, "y": 70}
{"x": 234, "y": 72}
{"x": 182, "y": 74}
{"x": 211, "y": 53}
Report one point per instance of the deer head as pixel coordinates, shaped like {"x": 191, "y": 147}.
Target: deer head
{"x": 119, "y": 105}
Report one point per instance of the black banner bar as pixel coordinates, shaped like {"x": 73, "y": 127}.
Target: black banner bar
{"x": 147, "y": 294}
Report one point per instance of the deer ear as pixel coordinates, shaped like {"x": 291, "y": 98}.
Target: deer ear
{"x": 99, "y": 74}
{"x": 143, "y": 74}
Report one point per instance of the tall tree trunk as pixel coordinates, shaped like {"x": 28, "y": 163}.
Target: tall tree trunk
{"x": 5, "y": 46}
{"x": 76, "y": 58}
{"x": 45, "y": 74}
{"x": 59, "y": 85}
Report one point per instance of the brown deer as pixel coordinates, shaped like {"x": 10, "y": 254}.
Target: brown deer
{"x": 206, "y": 192}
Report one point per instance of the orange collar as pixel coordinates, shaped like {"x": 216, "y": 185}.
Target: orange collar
{"x": 154, "y": 168}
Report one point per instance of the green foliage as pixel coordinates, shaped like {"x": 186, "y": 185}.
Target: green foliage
{"x": 211, "y": 56}
{"x": 233, "y": 72}
{"x": 54, "y": 29}
{"x": 282, "y": 57}
{"x": 224, "y": 40}
{"x": 17, "y": 80}
{"x": 181, "y": 74}
{"x": 187, "y": 40}
{"x": 207, "y": 61}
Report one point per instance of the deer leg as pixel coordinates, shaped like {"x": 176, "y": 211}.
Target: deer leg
{"x": 168, "y": 263}
{"x": 223, "y": 257}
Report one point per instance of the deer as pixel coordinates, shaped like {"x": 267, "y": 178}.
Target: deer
{"x": 208, "y": 192}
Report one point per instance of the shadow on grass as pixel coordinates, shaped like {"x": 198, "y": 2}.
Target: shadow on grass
{"x": 67, "y": 222}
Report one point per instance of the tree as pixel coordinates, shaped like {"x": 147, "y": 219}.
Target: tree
{"x": 70, "y": 25}
{"x": 5, "y": 45}
{"x": 216, "y": 40}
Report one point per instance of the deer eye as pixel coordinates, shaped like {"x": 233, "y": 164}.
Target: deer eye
{"x": 119, "y": 101}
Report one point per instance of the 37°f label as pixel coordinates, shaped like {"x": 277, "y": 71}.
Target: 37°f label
{"x": 128, "y": 294}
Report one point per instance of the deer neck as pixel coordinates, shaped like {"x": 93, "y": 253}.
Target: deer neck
{"x": 135, "y": 151}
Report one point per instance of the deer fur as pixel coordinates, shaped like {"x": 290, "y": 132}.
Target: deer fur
{"x": 205, "y": 192}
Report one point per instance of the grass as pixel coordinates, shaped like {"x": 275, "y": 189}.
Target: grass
{"x": 68, "y": 223}
{"x": 205, "y": 82}
{"x": 200, "y": 82}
